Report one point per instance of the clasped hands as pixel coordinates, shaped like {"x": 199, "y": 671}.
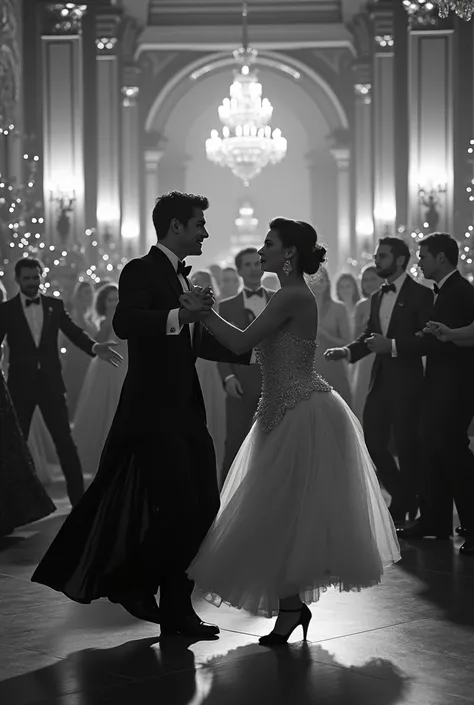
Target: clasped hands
{"x": 197, "y": 303}
{"x": 439, "y": 330}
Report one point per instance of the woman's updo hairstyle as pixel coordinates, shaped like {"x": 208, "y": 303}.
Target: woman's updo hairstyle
{"x": 297, "y": 233}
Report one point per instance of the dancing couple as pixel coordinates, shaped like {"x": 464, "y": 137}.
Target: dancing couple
{"x": 301, "y": 509}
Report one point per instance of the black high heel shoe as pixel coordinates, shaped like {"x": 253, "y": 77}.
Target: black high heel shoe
{"x": 274, "y": 639}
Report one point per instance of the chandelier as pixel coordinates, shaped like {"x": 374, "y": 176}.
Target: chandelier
{"x": 247, "y": 143}
{"x": 463, "y": 8}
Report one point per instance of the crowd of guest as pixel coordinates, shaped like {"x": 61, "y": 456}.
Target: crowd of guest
{"x": 383, "y": 387}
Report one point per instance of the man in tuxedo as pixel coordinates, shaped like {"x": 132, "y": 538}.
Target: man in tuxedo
{"x": 155, "y": 495}
{"x": 448, "y": 399}
{"x": 392, "y": 409}
{"x": 31, "y": 323}
{"x": 242, "y": 383}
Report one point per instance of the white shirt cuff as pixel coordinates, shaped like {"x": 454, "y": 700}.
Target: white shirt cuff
{"x": 349, "y": 356}
{"x": 94, "y": 348}
{"x": 253, "y": 358}
{"x": 228, "y": 377}
{"x": 172, "y": 324}
{"x": 394, "y": 348}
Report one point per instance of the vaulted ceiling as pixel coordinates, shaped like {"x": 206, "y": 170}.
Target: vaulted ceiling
{"x": 228, "y": 12}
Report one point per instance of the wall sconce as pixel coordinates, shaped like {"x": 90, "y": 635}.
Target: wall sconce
{"x": 429, "y": 198}
{"x": 65, "y": 204}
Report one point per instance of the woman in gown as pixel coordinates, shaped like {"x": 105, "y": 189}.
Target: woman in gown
{"x": 76, "y": 362}
{"x": 334, "y": 329}
{"x": 301, "y": 509}
{"x": 211, "y": 383}
{"x": 22, "y": 497}
{"x": 101, "y": 390}
{"x": 370, "y": 282}
{"x": 347, "y": 292}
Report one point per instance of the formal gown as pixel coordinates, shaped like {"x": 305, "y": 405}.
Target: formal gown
{"x": 301, "y": 509}
{"x": 362, "y": 369}
{"x": 22, "y": 497}
{"x": 97, "y": 404}
{"x": 336, "y": 373}
{"x": 76, "y": 364}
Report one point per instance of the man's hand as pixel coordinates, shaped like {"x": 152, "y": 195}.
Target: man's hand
{"x": 195, "y": 306}
{"x": 336, "y": 354}
{"x": 233, "y": 387}
{"x": 439, "y": 330}
{"x": 379, "y": 344}
{"x": 106, "y": 352}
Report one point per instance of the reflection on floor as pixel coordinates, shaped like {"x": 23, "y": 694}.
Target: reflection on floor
{"x": 409, "y": 641}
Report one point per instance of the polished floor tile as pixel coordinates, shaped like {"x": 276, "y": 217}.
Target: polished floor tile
{"x": 409, "y": 641}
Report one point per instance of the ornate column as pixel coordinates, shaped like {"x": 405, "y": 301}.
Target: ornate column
{"x": 383, "y": 116}
{"x": 134, "y": 238}
{"x": 62, "y": 90}
{"x": 108, "y": 126}
{"x": 341, "y": 154}
{"x": 152, "y": 158}
{"x": 10, "y": 86}
{"x": 430, "y": 75}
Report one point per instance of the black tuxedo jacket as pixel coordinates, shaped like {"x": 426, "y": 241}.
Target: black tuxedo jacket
{"x": 28, "y": 362}
{"x": 162, "y": 388}
{"x": 413, "y": 308}
{"x": 446, "y": 364}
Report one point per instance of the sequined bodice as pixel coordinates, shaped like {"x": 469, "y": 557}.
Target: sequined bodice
{"x": 288, "y": 375}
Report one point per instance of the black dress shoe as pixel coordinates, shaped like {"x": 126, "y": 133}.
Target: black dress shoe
{"x": 467, "y": 549}
{"x": 461, "y": 531}
{"x": 417, "y": 531}
{"x": 188, "y": 626}
{"x": 140, "y": 607}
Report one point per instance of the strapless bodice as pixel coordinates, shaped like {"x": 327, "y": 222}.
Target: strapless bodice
{"x": 288, "y": 375}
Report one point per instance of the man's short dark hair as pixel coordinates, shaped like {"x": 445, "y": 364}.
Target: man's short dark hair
{"x": 438, "y": 243}
{"x": 240, "y": 255}
{"x": 398, "y": 246}
{"x": 175, "y": 204}
{"x": 28, "y": 263}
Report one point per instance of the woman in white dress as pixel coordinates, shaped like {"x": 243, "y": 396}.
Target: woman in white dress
{"x": 370, "y": 282}
{"x": 334, "y": 329}
{"x": 347, "y": 292}
{"x": 76, "y": 361}
{"x": 101, "y": 389}
{"x": 301, "y": 508}
{"x": 209, "y": 378}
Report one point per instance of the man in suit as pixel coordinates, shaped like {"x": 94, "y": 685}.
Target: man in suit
{"x": 31, "y": 323}
{"x": 155, "y": 495}
{"x": 242, "y": 383}
{"x": 400, "y": 308}
{"x": 448, "y": 399}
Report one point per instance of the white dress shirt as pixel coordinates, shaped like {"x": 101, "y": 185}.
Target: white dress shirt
{"x": 256, "y": 304}
{"x": 443, "y": 281}
{"x": 173, "y": 326}
{"x": 388, "y": 302}
{"x": 34, "y": 317}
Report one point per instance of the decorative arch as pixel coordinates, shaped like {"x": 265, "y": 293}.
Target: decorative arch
{"x": 316, "y": 86}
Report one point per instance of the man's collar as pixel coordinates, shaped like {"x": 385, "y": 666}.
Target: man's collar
{"x": 445, "y": 279}
{"x": 24, "y": 298}
{"x": 399, "y": 282}
{"x": 173, "y": 258}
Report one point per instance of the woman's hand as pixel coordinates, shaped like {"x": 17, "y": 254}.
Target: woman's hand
{"x": 439, "y": 330}
{"x": 197, "y": 302}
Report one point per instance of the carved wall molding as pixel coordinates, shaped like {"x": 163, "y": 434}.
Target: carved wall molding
{"x": 9, "y": 64}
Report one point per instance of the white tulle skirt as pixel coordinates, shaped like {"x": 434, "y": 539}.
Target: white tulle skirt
{"x": 301, "y": 510}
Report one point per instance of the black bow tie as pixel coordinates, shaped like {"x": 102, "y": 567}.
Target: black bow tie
{"x": 183, "y": 268}
{"x": 33, "y": 301}
{"x": 385, "y": 288}
{"x": 436, "y": 289}
{"x": 251, "y": 292}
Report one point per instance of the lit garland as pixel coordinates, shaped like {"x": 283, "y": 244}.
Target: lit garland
{"x": 467, "y": 245}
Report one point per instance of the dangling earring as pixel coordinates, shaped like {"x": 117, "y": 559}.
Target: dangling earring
{"x": 287, "y": 268}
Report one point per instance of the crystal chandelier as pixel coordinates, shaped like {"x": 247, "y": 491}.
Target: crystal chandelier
{"x": 463, "y": 8}
{"x": 248, "y": 143}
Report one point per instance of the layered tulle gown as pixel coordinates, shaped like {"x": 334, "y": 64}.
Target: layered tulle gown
{"x": 97, "y": 405}
{"x": 301, "y": 509}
